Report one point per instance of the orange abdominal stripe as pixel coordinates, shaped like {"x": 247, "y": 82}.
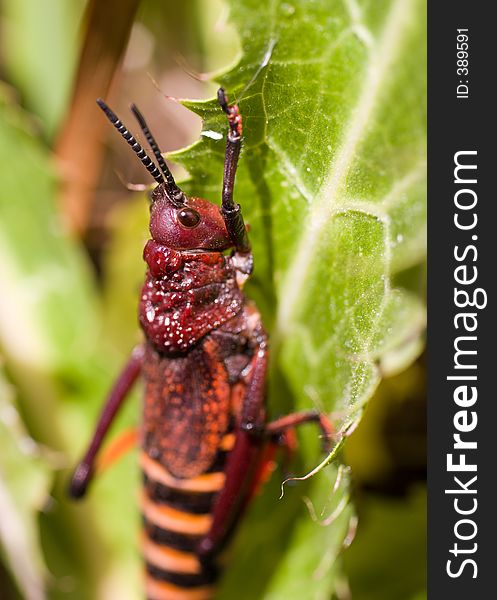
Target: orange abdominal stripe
{"x": 176, "y": 516}
{"x": 169, "y": 559}
{"x": 208, "y": 482}
{"x": 162, "y": 590}
{"x": 175, "y": 520}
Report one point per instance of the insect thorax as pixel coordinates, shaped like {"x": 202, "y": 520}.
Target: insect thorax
{"x": 186, "y": 295}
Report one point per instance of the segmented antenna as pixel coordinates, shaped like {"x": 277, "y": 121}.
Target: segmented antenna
{"x": 135, "y": 146}
{"x": 175, "y": 193}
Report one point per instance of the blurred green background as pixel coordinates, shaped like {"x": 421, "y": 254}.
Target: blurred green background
{"x": 71, "y": 238}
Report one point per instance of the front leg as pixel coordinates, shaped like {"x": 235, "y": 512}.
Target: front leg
{"x": 276, "y": 428}
{"x": 231, "y": 212}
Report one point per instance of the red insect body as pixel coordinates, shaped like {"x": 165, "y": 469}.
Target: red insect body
{"x": 197, "y": 293}
{"x": 204, "y": 365}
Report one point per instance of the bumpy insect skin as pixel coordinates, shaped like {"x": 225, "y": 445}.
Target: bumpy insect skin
{"x": 197, "y": 294}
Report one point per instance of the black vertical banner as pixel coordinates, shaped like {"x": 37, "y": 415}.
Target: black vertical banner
{"x": 462, "y": 243}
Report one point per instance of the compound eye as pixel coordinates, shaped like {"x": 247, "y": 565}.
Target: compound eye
{"x": 188, "y": 217}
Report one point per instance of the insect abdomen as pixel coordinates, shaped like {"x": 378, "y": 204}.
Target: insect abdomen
{"x": 176, "y": 516}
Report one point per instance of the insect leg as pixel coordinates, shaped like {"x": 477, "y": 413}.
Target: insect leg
{"x": 84, "y": 471}
{"x": 242, "y": 461}
{"x": 231, "y": 212}
{"x": 283, "y": 424}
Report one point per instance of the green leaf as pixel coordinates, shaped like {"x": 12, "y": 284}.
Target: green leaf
{"x": 332, "y": 182}
{"x": 24, "y": 489}
{"x": 48, "y": 318}
{"x": 397, "y": 528}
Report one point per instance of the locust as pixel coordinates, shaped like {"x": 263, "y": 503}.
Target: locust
{"x": 204, "y": 361}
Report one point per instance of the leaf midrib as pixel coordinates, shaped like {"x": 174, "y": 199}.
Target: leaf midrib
{"x": 328, "y": 199}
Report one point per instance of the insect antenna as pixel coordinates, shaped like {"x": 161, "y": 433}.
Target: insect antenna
{"x": 174, "y": 191}
{"x": 135, "y": 146}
